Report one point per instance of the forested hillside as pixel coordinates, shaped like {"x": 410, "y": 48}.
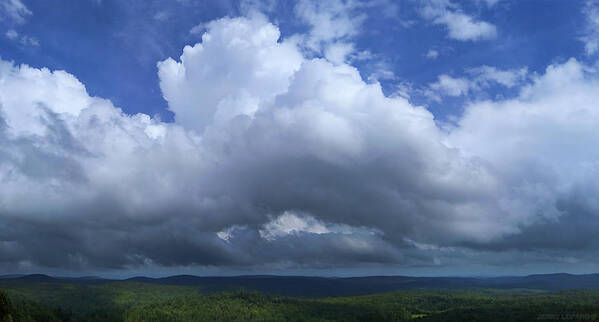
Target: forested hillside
{"x": 131, "y": 301}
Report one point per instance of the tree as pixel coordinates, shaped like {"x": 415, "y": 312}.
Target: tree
{"x": 6, "y": 308}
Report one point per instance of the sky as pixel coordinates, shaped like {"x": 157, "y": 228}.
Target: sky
{"x": 331, "y": 138}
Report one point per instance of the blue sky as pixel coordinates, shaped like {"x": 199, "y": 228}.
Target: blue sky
{"x": 338, "y": 137}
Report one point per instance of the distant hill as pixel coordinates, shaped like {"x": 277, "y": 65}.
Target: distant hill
{"x": 36, "y": 278}
{"x": 42, "y": 278}
{"x": 11, "y": 275}
{"x": 331, "y": 286}
{"x": 322, "y": 286}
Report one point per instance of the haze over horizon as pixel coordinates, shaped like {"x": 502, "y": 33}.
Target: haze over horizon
{"x": 322, "y": 138}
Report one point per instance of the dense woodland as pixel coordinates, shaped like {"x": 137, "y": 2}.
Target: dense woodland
{"x": 128, "y": 301}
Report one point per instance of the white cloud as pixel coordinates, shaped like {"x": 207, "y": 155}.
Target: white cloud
{"x": 479, "y": 78}
{"x": 451, "y": 86}
{"x": 380, "y": 71}
{"x": 252, "y": 6}
{"x": 432, "y": 54}
{"x": 332, "y": 26}
{"x": 290, "y": 223}
{"x": 227, "y": 233}
{"x": 463, "y": 27}
{"x": 12, "y": 34}
{"x": 460, "y": 26}
{"x": 198, "y": 29}
{"x": 338, "y": 52}
{"x": 205, "y": 86}
{"x": 404, "y": 89}
{"x": 362, "y": 55}
{"x": 14, "y": 10}
{"x": 161, "y": 16}
{"x": 591, "y": 39}
{"x": 540, "y": 141}
{"x": 330, "y": 21}
{"x": 507, "y": 78}
{"x": 29, "y": 41}
{"x": 489, "y": 3}
{"x": 24, "y": 39}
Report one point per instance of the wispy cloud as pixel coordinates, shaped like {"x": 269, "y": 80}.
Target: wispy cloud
{"x": 14, "y": 11}
{"x": 432, "y": 54}
{"x": 460, "y": 26}
{"x": 12, "y": 34}
{"x": 591, "y": 38}
{"x": 478, "y": 79}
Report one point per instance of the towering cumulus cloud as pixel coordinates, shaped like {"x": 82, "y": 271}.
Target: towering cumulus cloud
{"x": 239, "y": 67}
{"x": 276, "y": 160}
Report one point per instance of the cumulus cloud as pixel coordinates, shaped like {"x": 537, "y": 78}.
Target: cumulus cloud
{"x": 551, "y": 125}
{"x": 205, "y": 86}
{"x": 197, "y": 29}
{"x": 282, "y": 160}
{"x": 460, "y": 26}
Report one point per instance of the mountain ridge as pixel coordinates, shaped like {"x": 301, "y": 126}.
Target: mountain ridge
{"x": 334, "y": 286}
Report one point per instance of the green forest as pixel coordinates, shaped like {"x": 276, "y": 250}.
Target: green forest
{"x": 128, "y": 301}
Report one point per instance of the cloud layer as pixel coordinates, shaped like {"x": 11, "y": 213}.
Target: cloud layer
{"x": 277, "y": 159}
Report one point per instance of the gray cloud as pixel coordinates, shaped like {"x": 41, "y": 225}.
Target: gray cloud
{"x": 276, "y": 160}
